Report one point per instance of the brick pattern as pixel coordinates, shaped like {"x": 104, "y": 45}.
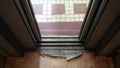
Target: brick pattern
{"x": 79, "y": 8}
{"x": 58, "y": 9}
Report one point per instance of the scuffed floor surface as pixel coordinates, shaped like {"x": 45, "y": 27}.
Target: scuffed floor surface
{"x": 35, "y": 60}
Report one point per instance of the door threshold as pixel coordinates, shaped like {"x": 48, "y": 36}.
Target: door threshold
{"x": 59, "y": 35}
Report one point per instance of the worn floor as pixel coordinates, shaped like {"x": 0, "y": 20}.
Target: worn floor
{"x": 35, "y": 60}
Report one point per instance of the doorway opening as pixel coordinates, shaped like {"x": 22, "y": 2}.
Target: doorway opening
{"x": 59, "y": 17}
{"x": 60, "y": 22}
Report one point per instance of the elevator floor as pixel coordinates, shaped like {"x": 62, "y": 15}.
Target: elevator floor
{"x": 35, "y": 60}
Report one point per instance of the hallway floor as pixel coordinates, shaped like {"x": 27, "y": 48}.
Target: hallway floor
{"x": 35, "y": 60}
{"x": 59, "y": 10}
{"x": 65, "y": 28}
{"x": 56, "y": 17}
